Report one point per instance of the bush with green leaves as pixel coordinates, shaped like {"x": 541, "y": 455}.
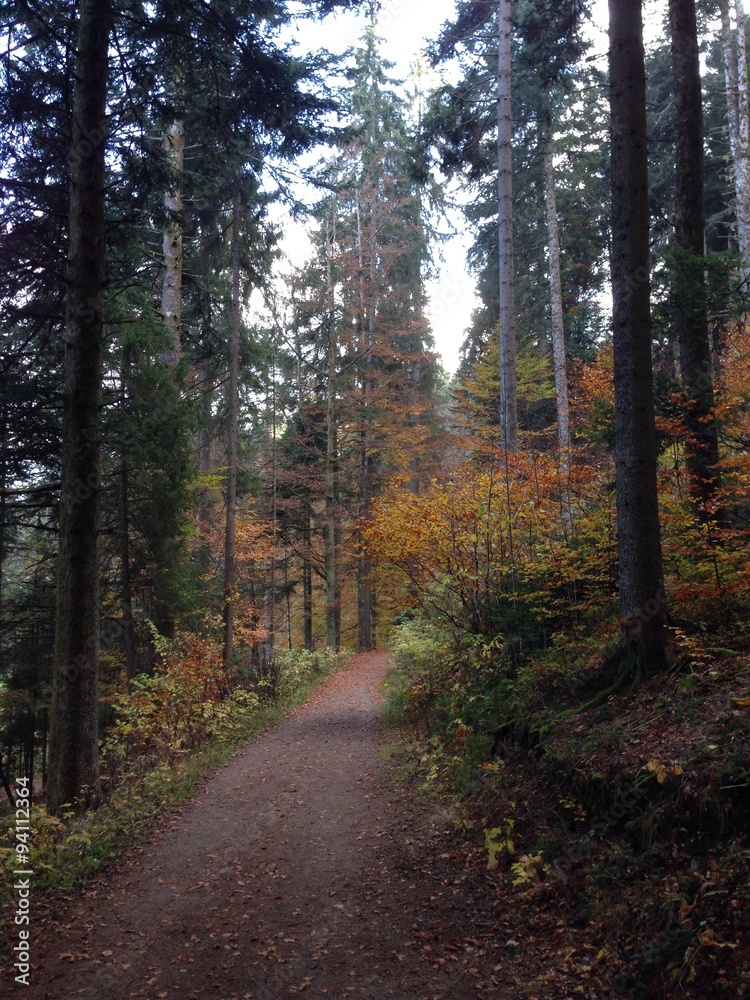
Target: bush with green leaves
{"x": 292, "y": 669}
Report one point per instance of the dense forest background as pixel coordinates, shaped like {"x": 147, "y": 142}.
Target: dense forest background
{"x": 189, "y": 492}
{"x": 220, "y": 470}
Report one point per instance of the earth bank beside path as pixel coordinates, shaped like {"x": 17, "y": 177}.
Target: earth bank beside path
{"x": 288, "y": 874}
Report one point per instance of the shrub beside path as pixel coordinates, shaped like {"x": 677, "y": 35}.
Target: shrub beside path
{"x": 291, "y": 872}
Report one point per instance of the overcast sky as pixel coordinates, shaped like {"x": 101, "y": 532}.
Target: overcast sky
{"x": 405, "y": 26}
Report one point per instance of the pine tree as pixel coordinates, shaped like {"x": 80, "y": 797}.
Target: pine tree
{"x": 689, "y": 291}
{"x": 74, "y": 747}
{"x": 644, "y": 640}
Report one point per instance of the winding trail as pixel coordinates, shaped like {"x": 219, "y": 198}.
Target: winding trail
{"x": 289, "y": 873}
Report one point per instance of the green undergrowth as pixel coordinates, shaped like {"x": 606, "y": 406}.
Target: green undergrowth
{"x": 68, "y": 849}
{"x": 630, "y": 816}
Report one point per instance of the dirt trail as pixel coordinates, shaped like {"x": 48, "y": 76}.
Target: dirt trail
{"x": 288, "y": 874}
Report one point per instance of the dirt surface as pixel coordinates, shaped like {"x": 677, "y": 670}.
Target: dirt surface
{"x": 292, "y": 872}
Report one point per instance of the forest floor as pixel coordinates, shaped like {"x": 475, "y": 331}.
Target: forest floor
{"x": 303, "y": 867}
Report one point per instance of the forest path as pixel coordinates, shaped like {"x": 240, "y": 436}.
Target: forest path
{"x": 289, "y": 873}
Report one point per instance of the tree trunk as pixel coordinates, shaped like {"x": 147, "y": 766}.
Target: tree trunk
{"x": 364, "y": 564}
{"x": 734, "y": 51}
{"x": 508, "y": 390}
{"x": 644, "y": 640}
{"x": 171, "y": 292}
{"x": 232, "y": 430}
{"x": 73, "y": 744}
{"x": 742, "y": 166}
{"x": 689, "y": 282}
{"x": 203, "y": 444}
{"x": 558, "y": 323}
{"x": 126, "y": 598}
{"x": 3, "y": 500}
{"x": 729, "y": 53}
{"x": 271, "y": 592}
{"x": 307, "y": 584}
{"x": 332, "y": 528}
{"x": 367, "y": 308}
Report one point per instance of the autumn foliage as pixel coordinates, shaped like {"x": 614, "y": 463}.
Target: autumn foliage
{"x": 493, "y": 551}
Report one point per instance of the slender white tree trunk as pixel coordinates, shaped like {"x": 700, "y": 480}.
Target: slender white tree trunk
{"x": 738, "y": 112}
{"x": 230, "y": 548}
{"x": 332, "y": 529}
{"x": 171, "y": 292}
{"x": 556, "y": 307}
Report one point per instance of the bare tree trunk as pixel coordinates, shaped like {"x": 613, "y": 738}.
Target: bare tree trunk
{"x": 556, "y": 311}
{"x": 332, "y": 528}
{"x": 332, "y": 531}
{"x": 364, "y": 564}
{"x": 644, "y": 641}
{"x": 232, "y": 429}
{"x": 689, "y": 283}
{"x": 271, "y": 623}
{"x": 171, "y": 293}
{"x": 734, "y": 51}
{"x": 367, "y": 327}
{"x": 742, "y": 167}
{"x": 307, "y": 568}
{"x": 307, "y": 595}
{"x": 508, "y": 382}
{"x": 73, "y": 743}
{"x": 729, "y": 53}
{"x": 126, "y": 597}
{"x": 203, "y": 445}
{"x": 3, "y": 499}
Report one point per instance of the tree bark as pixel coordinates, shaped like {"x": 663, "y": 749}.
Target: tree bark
{"x": 742, "y": 166}
{"x": 332, "y": 528}
{"x": 230, "y": 547}
{"x": 126, "y": 594}
{"x": 73, "y": 743}
{"x": 689, "y": 283}
{"x": 203, "y": 444}
{"x": 332, "y": 531}
{"x": 367, "y": 307}
{"x": 171, "y": 292}
{"x": 3, "y": 499}
{"x": 734, "y": 51}
{"x": 643, "y": 640}
{"x": 558, "y": 324}
{"x": 307, "y": 584}
{"x": 508, "y": 381}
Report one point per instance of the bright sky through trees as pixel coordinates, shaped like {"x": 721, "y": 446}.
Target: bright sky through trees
{"x": 405, "y": 26}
